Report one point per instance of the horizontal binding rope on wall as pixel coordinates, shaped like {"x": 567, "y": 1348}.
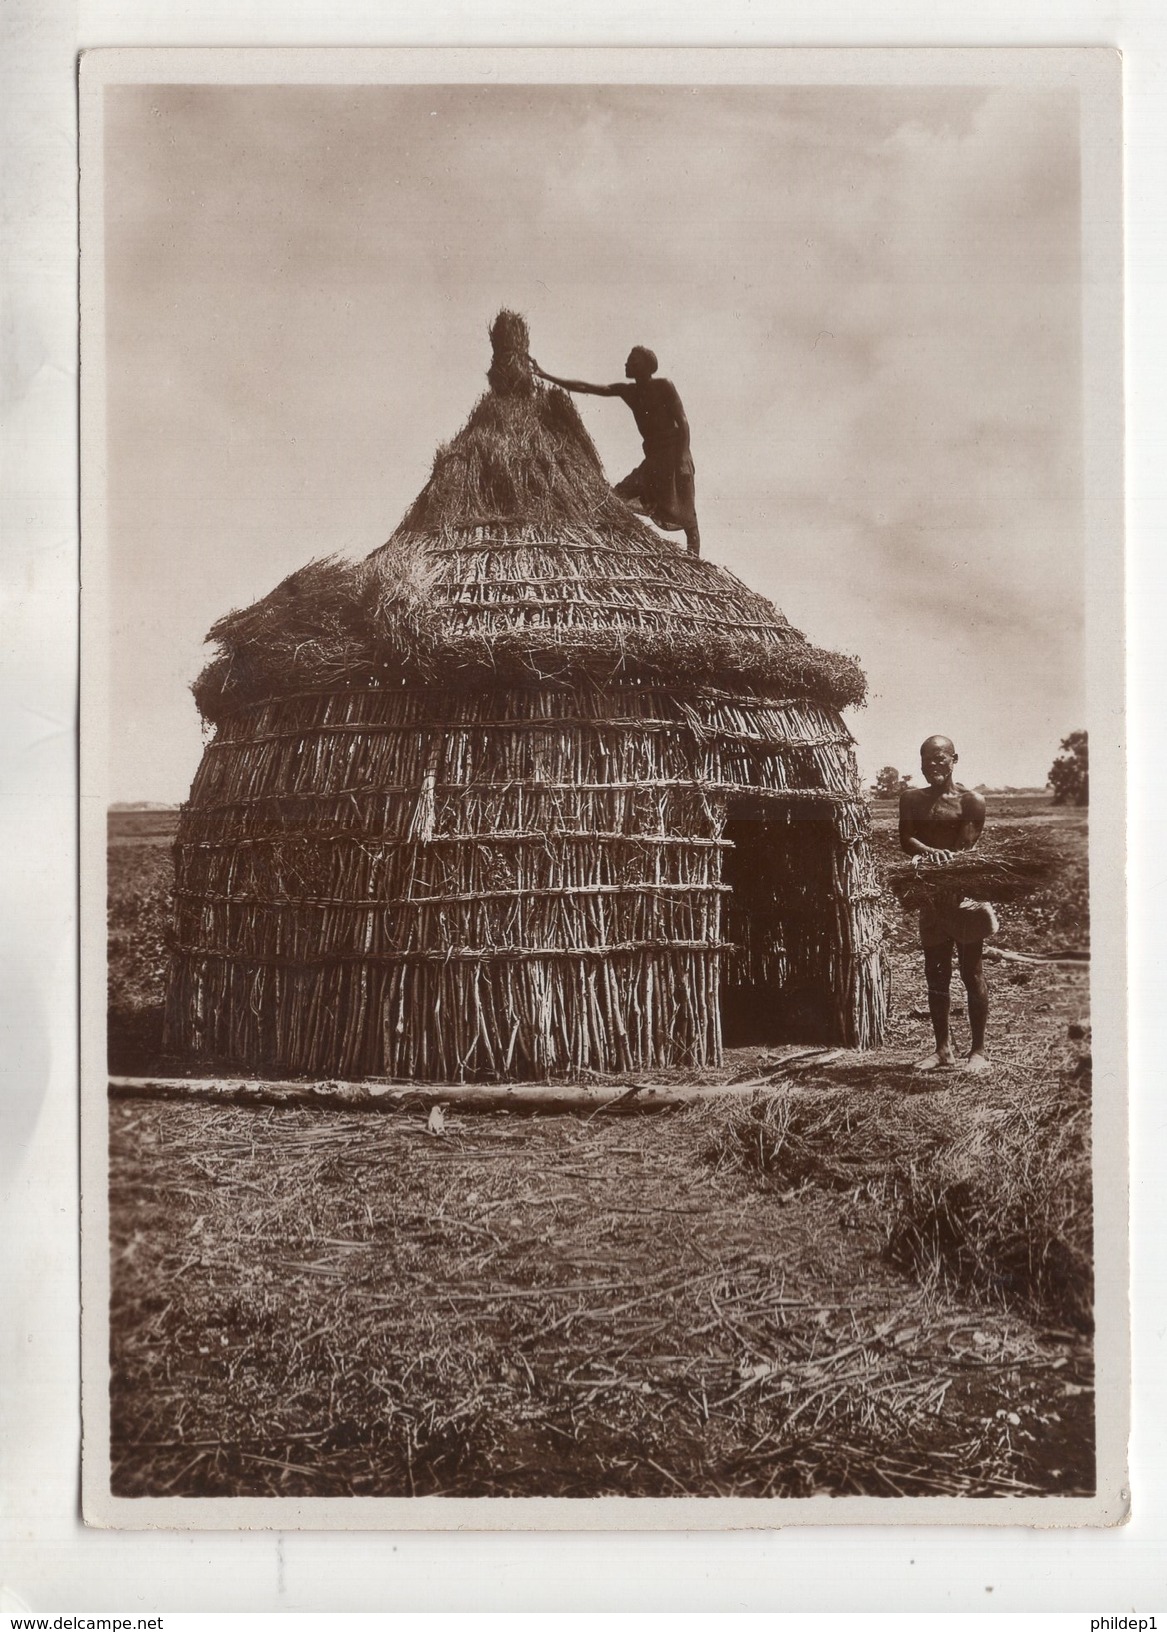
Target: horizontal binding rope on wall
{"x": 632, "y": 726}
{"x": 779, "y": 724}
{"x": 463, "y": 954}
{"x": 486, "y": 840}
{"x": 549, "y": 690}
{"x": 807, "y": 795}
{"x": 647, "y": 887}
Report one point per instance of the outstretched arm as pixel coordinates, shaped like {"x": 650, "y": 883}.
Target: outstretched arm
{"x": 577, "y": 385}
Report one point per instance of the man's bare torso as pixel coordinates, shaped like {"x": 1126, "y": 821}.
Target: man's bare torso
{"x": 656, "y": 408}
{"x": 942, "y": 820}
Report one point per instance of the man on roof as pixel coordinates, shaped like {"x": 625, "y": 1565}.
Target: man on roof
{"x": 661, "y": 487}
{"x": 935, "y": 821}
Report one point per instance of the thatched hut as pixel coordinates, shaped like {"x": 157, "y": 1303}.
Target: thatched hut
{"x": 529, "y": 792}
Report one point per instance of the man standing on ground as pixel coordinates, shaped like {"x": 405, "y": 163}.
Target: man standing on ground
{"x": 662, "y": 486}
{"x": 935, "y": 821}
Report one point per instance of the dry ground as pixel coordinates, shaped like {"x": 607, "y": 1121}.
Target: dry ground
{"x": 856, "y": 1281}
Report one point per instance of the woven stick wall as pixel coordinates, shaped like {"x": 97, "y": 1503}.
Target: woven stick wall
{"x": 527, "y": 883}
{"x": 463, "y": 814}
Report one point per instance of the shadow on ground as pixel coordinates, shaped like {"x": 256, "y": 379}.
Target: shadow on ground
{"x": 884, "y": 1074}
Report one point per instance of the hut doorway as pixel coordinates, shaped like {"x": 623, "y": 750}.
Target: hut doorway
{"x": 779, "y": 976}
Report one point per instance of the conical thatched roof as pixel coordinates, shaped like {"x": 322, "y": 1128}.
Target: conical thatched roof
{"x": 517, "y": 561}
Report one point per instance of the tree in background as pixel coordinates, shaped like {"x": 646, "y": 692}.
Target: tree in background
{"x": 889, "y": 784}
{"x": 1069, "y": 775}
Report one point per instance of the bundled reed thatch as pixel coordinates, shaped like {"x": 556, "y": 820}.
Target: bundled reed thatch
{"x": 987, "y": 874}
{"x": 464, "y": 810}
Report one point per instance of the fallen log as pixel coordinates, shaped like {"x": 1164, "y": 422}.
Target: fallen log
{"x": 617, "y": 1098}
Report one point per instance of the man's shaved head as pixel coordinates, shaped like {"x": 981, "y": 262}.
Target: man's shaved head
{"x": 937, "y": 760}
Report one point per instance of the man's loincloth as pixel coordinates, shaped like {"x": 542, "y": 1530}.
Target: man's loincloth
{"x": 662, "y": 487}
{"x": 956, "y": 918}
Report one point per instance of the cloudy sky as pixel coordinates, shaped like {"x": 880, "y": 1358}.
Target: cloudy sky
{"x": 869, "y": 300}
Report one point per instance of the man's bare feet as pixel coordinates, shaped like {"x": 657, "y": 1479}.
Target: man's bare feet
{"x": 977, "y": 1064}
{"x": 942, "y": 1058}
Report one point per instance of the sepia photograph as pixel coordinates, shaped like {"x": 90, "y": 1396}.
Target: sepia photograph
{"x": 601, "y": 582}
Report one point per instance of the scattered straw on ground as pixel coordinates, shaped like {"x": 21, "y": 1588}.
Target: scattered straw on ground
{"x": 314, "y": 1305}
{"x": 327, "y": 1303}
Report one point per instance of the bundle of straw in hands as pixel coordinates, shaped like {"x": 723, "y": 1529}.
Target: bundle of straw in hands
{"x": 984, "y": 875}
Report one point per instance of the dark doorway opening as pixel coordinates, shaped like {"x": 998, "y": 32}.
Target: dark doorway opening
{"x": 780, "y": 976}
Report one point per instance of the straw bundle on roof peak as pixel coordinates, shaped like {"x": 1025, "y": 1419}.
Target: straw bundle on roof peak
{"x": 510, "y": 369}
